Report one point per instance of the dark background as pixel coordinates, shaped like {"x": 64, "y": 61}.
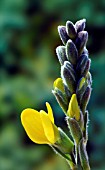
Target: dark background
{"x": 28, "y": 67}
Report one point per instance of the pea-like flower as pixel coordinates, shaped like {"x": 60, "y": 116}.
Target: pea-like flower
{"x": 40, "y": 126}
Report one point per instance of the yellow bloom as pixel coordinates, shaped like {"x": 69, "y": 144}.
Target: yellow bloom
{"x": 73, "y": 109}
{"x": 40, "y": 126}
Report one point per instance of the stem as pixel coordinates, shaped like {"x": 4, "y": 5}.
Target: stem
{"x": 83, "y": 155}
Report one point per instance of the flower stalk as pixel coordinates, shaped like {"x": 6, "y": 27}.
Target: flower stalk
{"x": 72, "y": 91}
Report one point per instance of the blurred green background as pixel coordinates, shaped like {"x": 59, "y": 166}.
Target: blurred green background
{"x": 28, "y": 67}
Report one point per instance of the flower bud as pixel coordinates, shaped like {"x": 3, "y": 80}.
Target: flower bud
{"x": 83, "y": 65}
{"x": 58, "y": 83}
{"x": 75, "y": 130}
{"x": 70, "y": 29}
{"x": 61, "y": 54}
{"x": 81, "y": 87}
{"x": 68, "y": 77}
{"x": 60, "y": 99}
{"x": 80, "y": 25}
{"x": 67, "y": 92}
{"x": 73, "y": 109}
{"x": 81, "y": 41}
{"x": 85, "y": 98}
{"x": 71, "y": 52}
{"x": 64, "y": 144}
{"x": 83, "y": 155}
{"x": 63, "y": 34}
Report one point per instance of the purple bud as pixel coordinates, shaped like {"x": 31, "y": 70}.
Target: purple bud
{"x": 81, "y": 41}
{"x": 80, "y": 25}
{"x": 61, "y": 54}
{"x": 63, "y": 34}
{"x": 70, "y": 29}
{"x": 71, "y": 52}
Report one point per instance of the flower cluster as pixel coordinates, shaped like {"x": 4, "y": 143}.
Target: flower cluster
{"x": 72, "y": 92}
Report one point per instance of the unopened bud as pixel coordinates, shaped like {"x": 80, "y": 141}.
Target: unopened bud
{"x": 70, "y": 29}
{"x": 85, "y": 98}
{"x": 73, "y": 109}
{"x": 61, "y": 54}
{"x": 81, "y": 87}
{"x": 58, "y": 83}
{"x": 80, "y": 25}
{"x": 81, "y": 41}
{"x": 83, "y": 65}
{"x": 71, "y": 52}
{"x": 63, "y": 34}
{"x": 75, "y": 130}
{"x": 68, "y": 77}
{"x": 60, "y": 99}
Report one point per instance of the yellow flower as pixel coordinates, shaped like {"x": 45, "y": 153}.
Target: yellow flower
{"x": 40, "y": 126}
{"x": 73, "y": 109}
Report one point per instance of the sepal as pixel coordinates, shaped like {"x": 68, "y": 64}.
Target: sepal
{"x": 64, "y": 144}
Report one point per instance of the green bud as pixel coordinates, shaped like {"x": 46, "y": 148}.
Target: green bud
{"x": 71, "y": 52}
{"x": 64, "y": 144}
{"x": 70, "y": 29}
{"x": 80, "y": 25}
{"x": 68, "y": 77}
{"x": 81, "y": 41}
{"x": 61, "y": 53}
{"x": 63, "y": 34}
{"x": 60, "y": 99}
{"x": 83, "y": 155}
{"x": 75, "y": 130}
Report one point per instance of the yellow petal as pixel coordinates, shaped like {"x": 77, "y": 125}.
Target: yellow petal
{"x": 48, "y": 127}
{"x": 58, "y": 83}
{"x": 50, "y": 112}
{"x": 32, "y": 124}
{"x": 73, "y": 109}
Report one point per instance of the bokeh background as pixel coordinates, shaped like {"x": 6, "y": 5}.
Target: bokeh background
{"x": 28, "y": 67}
